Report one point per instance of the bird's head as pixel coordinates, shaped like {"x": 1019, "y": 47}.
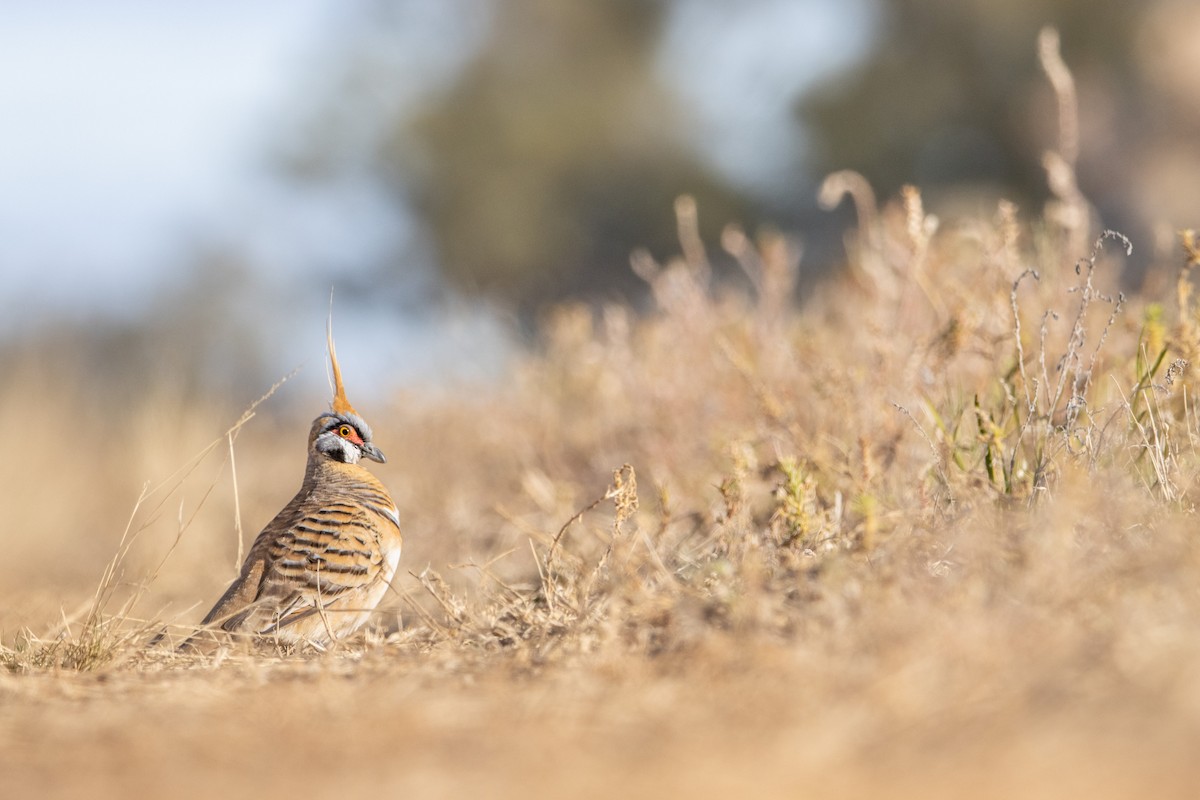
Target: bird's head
{"x": 344, "y": 437}
{"x": 341, "y": 434}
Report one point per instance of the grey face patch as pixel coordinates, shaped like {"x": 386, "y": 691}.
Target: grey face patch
{"x": 337, "y": 448}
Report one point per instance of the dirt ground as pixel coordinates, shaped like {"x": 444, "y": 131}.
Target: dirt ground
{"x": 929, "y": 534}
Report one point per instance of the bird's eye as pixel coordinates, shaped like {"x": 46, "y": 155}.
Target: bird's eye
{"x": 345, "y": 431}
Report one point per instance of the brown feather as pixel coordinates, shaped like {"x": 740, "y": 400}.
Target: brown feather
{"x": 340, "y": 404}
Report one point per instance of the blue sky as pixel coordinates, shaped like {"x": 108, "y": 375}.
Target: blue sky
{"x": 127, "y": 127}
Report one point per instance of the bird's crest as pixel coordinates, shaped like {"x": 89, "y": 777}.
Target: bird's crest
{"x": 340, "y": 404}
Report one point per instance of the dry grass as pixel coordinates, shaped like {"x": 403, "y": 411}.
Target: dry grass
{"x": 930, "y": 535}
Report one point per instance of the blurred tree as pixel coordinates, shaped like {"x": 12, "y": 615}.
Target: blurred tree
{"x": 952, "y": 94}
{"x": 553, "y": 153}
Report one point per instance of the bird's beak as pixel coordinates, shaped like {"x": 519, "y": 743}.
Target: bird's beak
{"x": 374, "y": 453}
